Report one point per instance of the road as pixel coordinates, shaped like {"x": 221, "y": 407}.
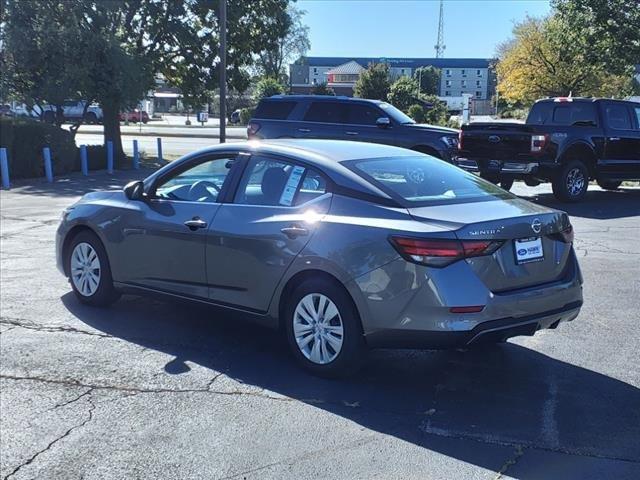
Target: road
{"x": 148, "y": 389}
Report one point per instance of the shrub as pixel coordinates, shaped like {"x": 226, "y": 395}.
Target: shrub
{"x": 268, "y": 87}
{"x": 438, "y": 113}
{"x": 322, "y": 89}
{"x": 24, "y": 140}
{"x": 416, "y": 112}
{"x": 97, "y": 157}
{"x": 245, "y": 115}
{"x": 403, "y": 93}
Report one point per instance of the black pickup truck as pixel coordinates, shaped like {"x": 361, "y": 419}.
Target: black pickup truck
{"x": 565, "y": 141}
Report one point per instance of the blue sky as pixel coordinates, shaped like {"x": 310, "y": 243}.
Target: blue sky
{"x": 408, "y": 28}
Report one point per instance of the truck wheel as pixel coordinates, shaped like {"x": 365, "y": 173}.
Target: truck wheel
{"x": 571, "y": 183}
{"x": 609, "y": 184}
{"x": 90, "y": 118}
{"x": 49, "y": 117}
{"x": 506, "y": 183}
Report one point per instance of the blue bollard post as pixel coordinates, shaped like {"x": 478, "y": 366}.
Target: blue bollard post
{"x": 48, "y": 168}
{"x": 84, "y": 163}
{"x": 159, "y": 149}
{"x": 4, "y": 169}
{"x": 136, "y": 155}
{"x": 109, "y": 156}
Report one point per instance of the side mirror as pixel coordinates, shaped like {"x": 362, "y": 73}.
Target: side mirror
{"x": 134, "y": 190}
{"x": 383, "y": 122}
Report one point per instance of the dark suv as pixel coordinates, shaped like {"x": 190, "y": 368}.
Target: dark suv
{"x": 344, "y": 118}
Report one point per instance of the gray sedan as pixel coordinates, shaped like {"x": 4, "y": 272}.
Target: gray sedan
{"x": 344, "y": 246}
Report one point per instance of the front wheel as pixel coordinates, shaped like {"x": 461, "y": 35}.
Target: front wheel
{"x": 323, "y": 329}
{"x": 571, "y": 182}
{"x": 609, "y": 184}
{"x": 89, "y": 271}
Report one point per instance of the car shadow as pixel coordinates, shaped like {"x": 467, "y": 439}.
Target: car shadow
{"x": 505, "y": 395}
{"x": 597, "y": 204}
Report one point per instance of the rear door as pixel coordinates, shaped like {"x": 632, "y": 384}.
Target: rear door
{"x": 622, "y": 147}
{"x": 271, "y": 119}
{"x": 253, "y": 240}
{"x": 324, "y": 119}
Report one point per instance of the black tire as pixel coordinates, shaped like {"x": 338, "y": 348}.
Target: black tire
{"x": 571, "y": 182}
{"x": 90, "y": 118}
{"x": 353, "y": 351}
{"x": 105, "y": 294}
{"x": 506, "y": 183}
{"x": 609, "y": 184}
{"x": 49, "y": 117}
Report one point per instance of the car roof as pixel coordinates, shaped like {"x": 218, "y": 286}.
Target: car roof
{"x": 318, "y": 98}
{"x": 580, "y": 99}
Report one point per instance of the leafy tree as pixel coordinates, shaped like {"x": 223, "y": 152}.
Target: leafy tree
{"x": 268, "y": 87}
{"x": 428, "y": 79}
{"x": 609, "y": 29}
{"x": 437, "y": 114}
{"x": 292, "y": 43}
{"x": 403, "y": 93}
{"x": 416, "y": 112}
{"x": 374, "y": 82}
{"x": 546, "y": 58}
{"x": 322, "y": 89}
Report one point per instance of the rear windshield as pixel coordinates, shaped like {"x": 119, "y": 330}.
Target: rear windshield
{"x": 423, "y": 180}
{"x": 274, "y": 110}
{"x": 563, "y": 113}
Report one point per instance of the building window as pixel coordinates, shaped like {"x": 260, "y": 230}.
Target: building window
{"x": 447, "y": 72}
{"x": 464, "y": 83}
{"x": 447, "y": 83}
{"x": 315, "y": 70}
{"x": 478, "y": 94}
{"x": 402, "y": 71}
{"x": 478, "y": 83}
{"x": 464, "y": 73}
{"x": 447, "y": 93}
{"x": 479, "y": 73}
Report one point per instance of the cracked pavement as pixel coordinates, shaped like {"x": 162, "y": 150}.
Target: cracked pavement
{"x": 148, "y": 389}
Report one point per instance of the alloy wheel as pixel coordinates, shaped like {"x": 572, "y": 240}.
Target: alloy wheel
{"x": 85, "y": 269}
{"x": 575, "y": 181}
{"x": 318, "y": 328}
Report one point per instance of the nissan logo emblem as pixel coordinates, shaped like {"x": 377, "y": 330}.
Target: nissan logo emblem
{"x": 494, "y": 138}
{"x": 536, "y": 225}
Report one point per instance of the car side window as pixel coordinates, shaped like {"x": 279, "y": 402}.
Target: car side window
{"x": 201, "y": 183}
{"x": 360, "y": 114}
{"x": 637, "y": 110}
{"x": 326, "y": 112}
{"x": 268, "y": 181}
{"x": 617, "y": 117}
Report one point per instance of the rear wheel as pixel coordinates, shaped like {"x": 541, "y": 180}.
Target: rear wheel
{"x": 506, "y": 183}
{"x": 609, "y": 184}
{"x": 572, "y": 181}
{"x": 89, "y": 270}
{"x": 49, "y": 117}
{"x": 90, "y": 118}
{"x": 323, "y": 329}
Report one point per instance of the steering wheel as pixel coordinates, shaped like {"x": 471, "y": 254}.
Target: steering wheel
{"x": 199, "y": 189}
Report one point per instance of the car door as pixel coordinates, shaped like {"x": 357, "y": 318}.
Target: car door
{"x": 253, "y": 240}
{"x": 622, "y": 141}
{"x": 362, "y": 124}
{"x": 324, "y": 119}
{"x": 163, "y": 241}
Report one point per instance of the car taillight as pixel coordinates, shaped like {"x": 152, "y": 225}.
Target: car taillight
{"x": 460, "y": 140}
{"x": 538, "y": 142}
{"x": 252, "y": 128}
{"x": 565, "y": 235}
{"x": 441, "y": 252}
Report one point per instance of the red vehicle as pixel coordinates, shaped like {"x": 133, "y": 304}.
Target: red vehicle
{"x": 134, "y": 117}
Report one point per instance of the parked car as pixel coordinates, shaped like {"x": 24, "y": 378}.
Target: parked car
{"x": 344, "y": 245}
{"x": 565, "y": 141}
{"x": 345, "y": 118}
{"x": 6, "y": 111}
{"x": 136, "y": 116}
{"x": 73, "y": 111}
{"x": 235, "y": 116}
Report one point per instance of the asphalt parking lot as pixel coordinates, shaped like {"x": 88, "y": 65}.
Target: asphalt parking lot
{"x": 148, "y": 389}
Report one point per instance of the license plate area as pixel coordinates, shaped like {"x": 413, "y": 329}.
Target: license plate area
{"x": 528, "y": 250}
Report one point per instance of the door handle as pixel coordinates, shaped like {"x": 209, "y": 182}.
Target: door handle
{"x": 351, "y": 133}
{"x": 304, "y": 130}
{"x": 614, "y": 139}
{"x": 195, "y": 223}
{"x": 294, "y": 231}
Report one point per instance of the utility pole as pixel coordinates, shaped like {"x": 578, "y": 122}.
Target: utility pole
{"x": 223, "y": 71}
{"x": 440, "y": 46}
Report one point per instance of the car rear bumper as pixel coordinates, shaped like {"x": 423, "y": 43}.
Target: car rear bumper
{"x": 485, "y": 332}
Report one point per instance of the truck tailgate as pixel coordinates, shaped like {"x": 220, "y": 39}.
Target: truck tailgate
{"x": 498, "y": 141}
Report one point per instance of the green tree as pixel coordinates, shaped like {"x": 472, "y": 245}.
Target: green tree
{"x": 322, "y": 89}
{"x": 374, "y": 82}
{"x": 267, "y": 87}
{"x": 292, "y": 42}
{"x": 437, "y": 114}
{"x": 429, "y": 80}
{"x": 403, "y": 93}
{"x": 416, "y": 112}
